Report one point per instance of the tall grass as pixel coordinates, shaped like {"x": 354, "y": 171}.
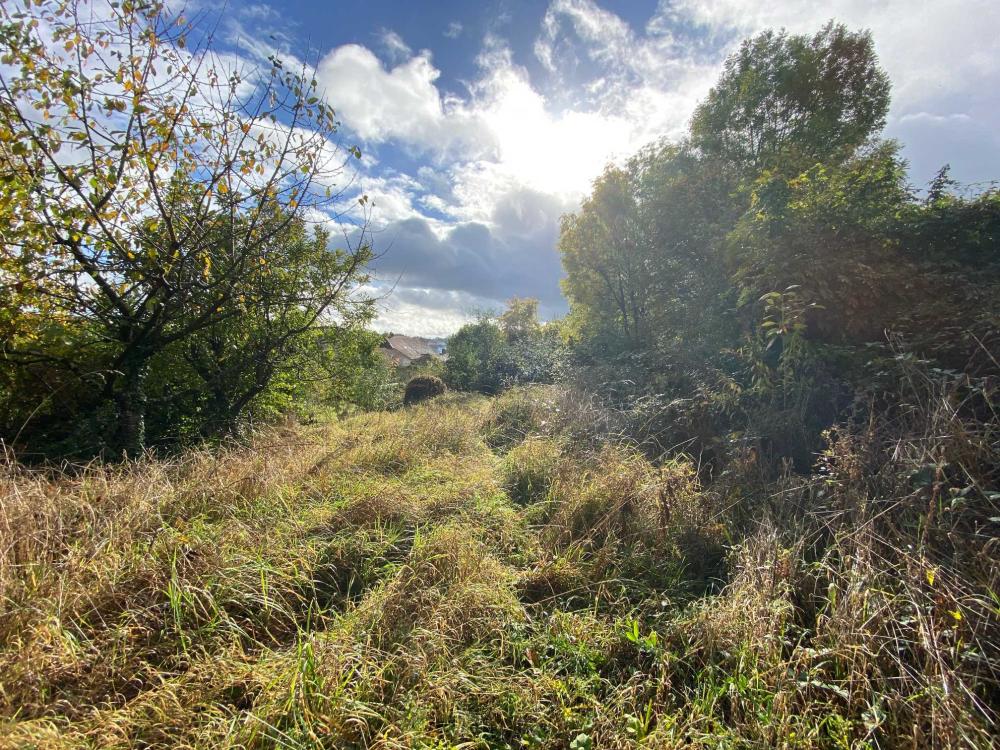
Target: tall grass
{"x": 510, "y": 573}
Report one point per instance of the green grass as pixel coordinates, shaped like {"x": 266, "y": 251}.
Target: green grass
{"x": 463, "y": 574}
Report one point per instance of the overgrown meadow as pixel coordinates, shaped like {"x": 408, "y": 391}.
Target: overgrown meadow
{"x": 746, "y": 494}
{"x": 497, "y": 573}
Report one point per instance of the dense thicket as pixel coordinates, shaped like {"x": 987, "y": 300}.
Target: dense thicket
{"x": 495, "y": 353}
{"x": 765, "y": 268}
{"x": 771, "y": 299}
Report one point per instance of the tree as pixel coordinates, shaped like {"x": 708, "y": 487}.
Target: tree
{"x": 148, "y": 182}
{"x": 520, "y": 319}
{"x": 648, "y": 258}
{"x": 829, "y": 233}
{"x": 300, "y": 286}
{"x": 602, "y": 253}
{"x": 687, "y": 203}
{"x": 475, "y": 356}
{"x": 496, "y": 353}
{"x": 794, "y": 101}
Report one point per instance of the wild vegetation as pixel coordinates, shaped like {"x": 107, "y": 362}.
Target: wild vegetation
{"x": 746, "y": 494}
{"x": 500, "y": 351}
{"x": 501, "y": 573}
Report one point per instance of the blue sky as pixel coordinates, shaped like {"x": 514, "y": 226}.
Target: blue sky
{"x": 482, "y": 123}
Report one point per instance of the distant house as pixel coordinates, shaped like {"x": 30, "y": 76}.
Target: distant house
{"x": 402, "y": 351}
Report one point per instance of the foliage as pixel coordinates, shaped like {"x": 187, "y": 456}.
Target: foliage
{"x": 787, "y": 102}
{"x": 155, "y": 199}
{"x": 601, "y": 252}
{"x": 492, "y": 354}
{"x": 727, "y": 291}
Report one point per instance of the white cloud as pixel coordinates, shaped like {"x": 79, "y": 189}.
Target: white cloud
{"x": 928, "y": 49}
{"x": 454, "y": 30}
{"x": 424, "y": 312}
{"x": 258, "y": 11}
{"x": 394, "y": 45}
{"x": 606, "y": 35}
{"x": 928, "y": 117}
{"x": 399, "y": 103}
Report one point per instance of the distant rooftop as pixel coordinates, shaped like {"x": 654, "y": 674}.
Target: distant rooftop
{"x": 404, "y": 350}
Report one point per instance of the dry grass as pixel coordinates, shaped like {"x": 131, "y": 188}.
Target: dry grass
{"x": 505, "y": 574}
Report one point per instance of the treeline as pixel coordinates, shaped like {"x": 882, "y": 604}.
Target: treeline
{"x": 750, "y": 285}
{"x": 164, "y": 271}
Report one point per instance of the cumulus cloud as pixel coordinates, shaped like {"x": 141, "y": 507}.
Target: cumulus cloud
{"x": 510, "y": 255}
{"x": 401, "y": 103}
{"x": 454, "y": 30}
{"x": 912, "y": 40}
{"x": 425, "y": 312}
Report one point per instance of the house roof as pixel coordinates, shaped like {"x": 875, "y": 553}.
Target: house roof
{"x": 414, "y": 346}
{"x": 394, "y": 357}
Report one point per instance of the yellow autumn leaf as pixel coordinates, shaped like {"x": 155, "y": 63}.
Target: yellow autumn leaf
{"x": 930, "y": 576}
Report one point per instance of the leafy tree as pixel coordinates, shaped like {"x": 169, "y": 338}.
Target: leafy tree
{"x": 496, "y": 353}
{"x": 475, "y": 354}
{"x": 329, "y": 369}
{"x": 602, "y": 252}
{"x": 652, "y": 261}
{"x": 790, "y": 101}
{"x": 520, "y": 319}
{"x": 300, "y": 286}
{"x": 687, "y": 204}
{"x": 148, "y": 183}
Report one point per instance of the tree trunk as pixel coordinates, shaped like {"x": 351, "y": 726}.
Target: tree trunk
{"x": 130, "y": 438}
{"x": 218, "y": 419}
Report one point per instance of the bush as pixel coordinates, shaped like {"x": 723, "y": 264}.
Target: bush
{"x": 422, "y": 388}
{"x": 496, "y": 353}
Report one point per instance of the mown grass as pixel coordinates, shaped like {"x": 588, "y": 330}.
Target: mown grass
{"x": 494, "y": 574}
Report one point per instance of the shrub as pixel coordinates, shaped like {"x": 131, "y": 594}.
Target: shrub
{"x": 422, "y": 388}
{"x": 494, "y": 354}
